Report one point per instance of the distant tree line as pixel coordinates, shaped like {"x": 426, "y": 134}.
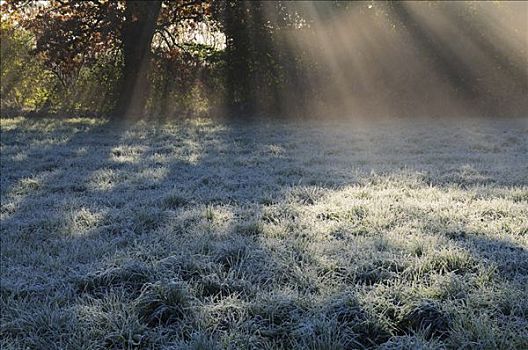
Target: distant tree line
{"x": 166, "y": 58}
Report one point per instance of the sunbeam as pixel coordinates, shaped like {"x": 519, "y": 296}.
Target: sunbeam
{"x": 238, "y": 174}
{"x": 411, "y": 58}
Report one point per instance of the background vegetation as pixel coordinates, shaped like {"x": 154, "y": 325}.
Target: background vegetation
{"x": 275, "y": 58}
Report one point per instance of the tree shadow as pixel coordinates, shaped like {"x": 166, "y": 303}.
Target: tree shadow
{"x": 40, "y": 192}
{"x": 135, "y": 206}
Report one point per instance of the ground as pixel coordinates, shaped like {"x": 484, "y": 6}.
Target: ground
{"x": 202, "y": 234}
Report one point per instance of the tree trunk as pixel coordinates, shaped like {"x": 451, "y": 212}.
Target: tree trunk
{"x": 238, "y": 78}
{"x": 136, "y": 35}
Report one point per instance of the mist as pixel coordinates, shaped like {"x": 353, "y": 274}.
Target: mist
{"x": 384, "y": 59}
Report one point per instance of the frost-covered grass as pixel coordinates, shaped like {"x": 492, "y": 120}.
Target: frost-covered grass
{"x": 264, "y": 235}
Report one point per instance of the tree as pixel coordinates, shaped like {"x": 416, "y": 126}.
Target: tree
{"x": 71, "y": 34}
{"x": 251, "y": 71}
{"x": 136, "y": 36}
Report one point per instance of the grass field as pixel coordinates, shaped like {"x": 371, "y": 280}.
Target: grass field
{"x": 410, "y": 234}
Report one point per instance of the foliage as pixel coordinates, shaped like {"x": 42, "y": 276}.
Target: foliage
{"x": 250, "y": 57}
{"x": 25, "y": 82}
{"x": 28, "y": 84}
{"x": 82, "y": 43}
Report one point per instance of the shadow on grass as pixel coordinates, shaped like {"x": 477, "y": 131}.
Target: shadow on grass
{"x": 157, "y": 234}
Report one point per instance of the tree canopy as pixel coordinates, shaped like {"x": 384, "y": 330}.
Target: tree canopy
{"x": 245, "y": 57}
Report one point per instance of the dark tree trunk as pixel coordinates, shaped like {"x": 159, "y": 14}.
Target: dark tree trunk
{"x": 136, "y": 35}
{"x": 164, "y": 110}
{"x": 238, "y": 75}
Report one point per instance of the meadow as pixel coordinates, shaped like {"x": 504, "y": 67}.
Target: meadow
{"x": 207, "y": 234}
